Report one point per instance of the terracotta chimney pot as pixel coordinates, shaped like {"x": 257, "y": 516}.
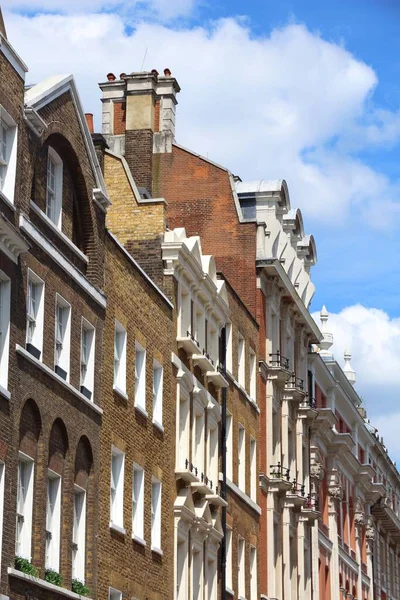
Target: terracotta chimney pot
{"x": 111, "y": 77}
{"x": 167, "y": 73}
{"x": 89, "y": 121}
{"x": 122, "y": 76}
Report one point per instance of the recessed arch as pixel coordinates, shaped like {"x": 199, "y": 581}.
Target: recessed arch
{"x": 30, "y": 428}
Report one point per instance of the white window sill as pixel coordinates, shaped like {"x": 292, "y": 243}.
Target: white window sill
{"x": 229, "y": 591}
{"x": 141, "y": 410}
{"x": 232, "y": 486}
{"x": 7, "y": 201}
{"x": 243, "y": 391}
{"x": 139, "y": 540}
{"x": 118, "y": 391}
{"x": 5, "y": 393}
{"x": 57, "y": 378}
{"x": 117, "y": 528}
{"x": 157, "y": 550}
{"x": 158, "y": 425}
{"x": 44, "y": 584}
{"x": 58, "y": 232}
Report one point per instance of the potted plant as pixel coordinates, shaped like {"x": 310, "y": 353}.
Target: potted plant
{"x": 51, "y": 576}
{"x": 25, "y": 566}
{"x": 79, "y": 587}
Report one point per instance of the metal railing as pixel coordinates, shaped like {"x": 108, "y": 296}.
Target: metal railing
{"x": 295, "y": 382}
{"x": 277, "y": 360}
{"x": 297, "y": 488}
{"x": 280, "y": 472}
{"x": 311, "y": 503}
{"x": 190, "y": 467}
{"x": 191, "y": 336}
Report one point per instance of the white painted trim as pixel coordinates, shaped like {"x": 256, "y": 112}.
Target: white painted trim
{"x": 58, "y": 232}
{"x": 62, "y": 262}
{"x": 56, "y": 377}
{"x": 12, "y": 243}
{"x": 243, "y": 391}
{"x": 44, "y": 584}
{"x": 16, "y": 62}
{"x": 118, "y": 391}
{"x": 117, "y": 528}
{"x": 5, "y": 393}
{"x": 139, "y": 268}
{"x": 176, "y": 361}
{"x": 243, "y": 496}
{"x": 9, "y": 204}
{"x": 139, "y": 540}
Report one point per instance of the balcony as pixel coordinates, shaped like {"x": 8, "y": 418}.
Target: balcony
{"x": 216, "y": 498}
{"x": 295, "y": 497}
{"x": 217, "y": 378}
{"x": 203, "y": 485}
{"x": 188, "y": 343}
{"x": 278, "y": 480}
{"x": 204, "y": 361}
{"x": 278, "y": 368}
{"x": 308, "y": 408}
{"x": 311, "y": 509}
{"x": 189, "y": 473}
{"x": 383, "y": 511}
{"x": 294, "y": 389}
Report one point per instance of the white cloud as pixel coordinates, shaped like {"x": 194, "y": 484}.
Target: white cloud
{"x": 265, "y": 107}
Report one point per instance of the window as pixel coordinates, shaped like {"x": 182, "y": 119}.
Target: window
{"x": 5, "y": 290}
{"x": 62, "y": 338}
{"x": 138, "y": 503}
{"x": 87, "y": 359}
{"x": 114, "y": 594}
{"x": 158, "y": 376}
{"x": 228, "y": 547}
{"x": 34, "y": 315}
{"x": 229, "y": 446}
{"x": 212, "y": 452}
{"x": 53, "y": 521}
{"x": 117, "y": 489}
{"x": 241, "y": 569}
{"x": 79, "y": 534}
{"x": 2, "y": 476}
{"x": 8, "y": 154}
{"x": 253, "y": 470}
{"x": 156, "y": 515}
{"x": 228, "y": 330}
{"x": 54, "y": 187}
{"x": 242, "y": 459}
{"x": 182, "y": 445}
{"x": 120, "y": 358}
{"x": 241, "y": 365}
{"x": 253, "y": 375}
{"x": 140, "y": 377}
{"x": 198, "y": 438}
{"x": 24, "y": 507}
{"x": 253, "y": 573}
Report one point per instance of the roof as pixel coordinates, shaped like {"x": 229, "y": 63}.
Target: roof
{"x": 2, "y": 25}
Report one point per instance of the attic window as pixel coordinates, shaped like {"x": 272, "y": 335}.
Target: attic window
{"x": 54, "y": 187}
{"x": 8, "y": 154}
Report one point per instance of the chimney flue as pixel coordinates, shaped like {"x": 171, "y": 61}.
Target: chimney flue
{"x": 122, "y": 76}
{"x": 89, "y": 121}
{"x": 167, "y": 72}
{"x": 111, "y": 77}
{"x": 154, "y": 72}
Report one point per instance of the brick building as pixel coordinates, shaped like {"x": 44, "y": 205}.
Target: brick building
{"x": 53, "y": 202}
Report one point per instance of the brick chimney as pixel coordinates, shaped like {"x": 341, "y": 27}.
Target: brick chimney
{"x": 139, "y": 119}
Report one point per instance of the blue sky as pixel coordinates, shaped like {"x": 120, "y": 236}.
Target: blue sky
{"x": 304, "y": 90}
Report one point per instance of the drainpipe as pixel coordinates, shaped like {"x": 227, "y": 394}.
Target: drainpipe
{"x": 223, "y": 464}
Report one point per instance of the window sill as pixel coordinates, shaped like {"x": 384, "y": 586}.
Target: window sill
{"x": 243, "y": 496}
{"x": 57, "y": 378}
{"x": 118, "y": 391}
{"x": 139, "y": 540}
{"x": 7, "y": 201}
{"x": 157, "y": 550}
{"x": 141, "y": 410}
{"x": 243, "y": 391}
{"x": 230, "y": 591}
{"x": 44, "y": 584}
{"x": 58, "y": 232}
{"x": 5, "y": 393}
{"x": 117, "y": 528}
{"x": 158, "y": 425}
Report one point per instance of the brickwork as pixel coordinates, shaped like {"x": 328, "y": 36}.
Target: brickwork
{"x": 139, "y": 156}
{"x": 124, "y": 563}
{"x": 119, "y": 118}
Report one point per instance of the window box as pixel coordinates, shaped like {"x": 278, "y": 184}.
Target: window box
{"x": 87, "y": 393}
{"x": 33, "y": 350}
{"x": 60, "y": 372}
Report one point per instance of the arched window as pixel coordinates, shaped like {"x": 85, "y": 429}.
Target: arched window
{"x": 83, "y": 472}
{"x": 29, "y": 434}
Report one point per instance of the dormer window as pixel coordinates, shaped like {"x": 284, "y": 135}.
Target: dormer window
{"x": 54, "y": 187}
{"x": 8, "y": 154}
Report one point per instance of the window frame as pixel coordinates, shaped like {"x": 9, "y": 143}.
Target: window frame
{"x": 253, "y": 469}
{"x": 79, "y": 534}
{"x": 228, "y": 558}
{"x": 63, "y": 361}
{"x": 138, "y": 484}
{"x": 140, "y": 378}
{"x": 25, "y": 545}
{"x": 114, "y": 594}
{"x": 117, "y": 501}
{"x": 9, "y": 164}
{"x": 241, "y": 453}
{"x": 53, "y": 528}
{"x": 158, "y": 390}
{"x": 241, "y": 564}
{"x": 253, "y": 573}
{"x": 35, "y": 339}
{"x": 5, "y": 317}
{"x": 87, "y": 379}
{"x": 120, "y": 344}
{"x": 156, "y": 515}
{"x": 241, "y": 374}
{"x": 53, "y": 158}
{"x": 253, "y": 375}
{"x": 229, "y": 445}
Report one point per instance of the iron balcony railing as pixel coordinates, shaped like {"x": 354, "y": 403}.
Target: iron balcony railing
{"x": 280, "y": 472}
{"x": 191, "y": 336}
{"x": 311, "y": 503}
{"x": 297, "y": 488}
{"x": 277, "y": 360}
{"x": 310, "y": 401}
{"x": 295, "y": 382}
{"x": 190, "y": 467}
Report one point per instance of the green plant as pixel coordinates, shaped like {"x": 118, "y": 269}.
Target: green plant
{"x": 23, "y": 565}
{"x": 53, "y": 577}
{"x": 79, "y": 587}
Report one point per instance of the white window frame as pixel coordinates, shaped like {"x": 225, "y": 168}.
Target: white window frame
{"x": 138, "y": 504}
{"x": 229, "y": 563}
{"x": 114, "y": 594}
{"x": 212, "y": 453}
{"x": 241, "y": 561}
{"x": 156, "y": 495}
{"x": 253, "y": 375}
{"x": 241, "y": 360}
{"x": 140, "y": 377}
{"x": 87, "y": 357}
{"x": 8, "y": 158}
{"x": 35, "y": 312}
{"x": 53, "y": 521}
{"x": 23, "y": 534}
{"x": 120, "y": 336}
{"x": 229, "y": 445}
{"x": 184, "y": 312}
{"x": 54, "y": 188}
{"x": 158, "y": 385}
{"x": 253, "y": 573}
{"x": 5, "y": 304}
{"x": 253, "y": 469}
{"x": 228, "y": 340}
{"x": 62, "y": 337}
{"x": 182, "y": 431}
{"x": 242, "y": 458}
{"x": 117, "y": 489}
{"x": 79, "y": 535}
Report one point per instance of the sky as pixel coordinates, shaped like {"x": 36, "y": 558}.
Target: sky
{"x": 304, "y": 90}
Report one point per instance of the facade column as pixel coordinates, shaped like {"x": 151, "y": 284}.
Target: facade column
{"x": 314, "y": 561}
{"x": 299, "y": 451}
{"x": 334, "y": 496}
{"x": 285, "y": 436}
{"x": 271, "y": 550}
{"x": 287, "y": 584}
{"x": 300, "y": 558}
{"x": 370, "y": 537}
{"x": 359, "y": 521}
